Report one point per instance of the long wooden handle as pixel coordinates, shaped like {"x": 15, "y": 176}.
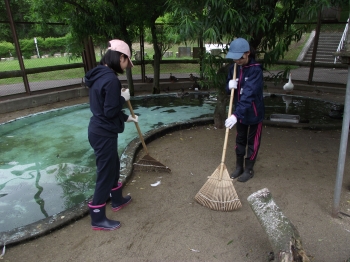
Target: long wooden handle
{"x": 228, "y": 129}
{"x": 137, "y": 127}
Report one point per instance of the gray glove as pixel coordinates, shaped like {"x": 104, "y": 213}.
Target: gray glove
{"x": 126, "y": 94}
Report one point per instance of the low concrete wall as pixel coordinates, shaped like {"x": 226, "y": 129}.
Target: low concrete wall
{"x": 16, "y": 104}
{"x": 12, "y": 105}
{"x": 164, "y": 87}
{"x": 312, "y": 88}
{"x": 306, "y": 46}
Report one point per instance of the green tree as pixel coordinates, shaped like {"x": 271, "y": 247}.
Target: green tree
{"x": 266, "y": 24}
{"x": 155, "y": 9}
{"x": 28, "y": 24}
{"x": 20, "y": 13}
{"x": 167, "y": 37}
{"x": 102, "y": 20}
{"x": 108, "y": 19}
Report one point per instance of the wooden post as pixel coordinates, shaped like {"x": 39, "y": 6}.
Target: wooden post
{"x": 142, "y": 54}
{"x": 314, "y": 51}
{"x": 89, "y": 58}
{"x": 18, "y": 49}
{"x": 284, "y": 237}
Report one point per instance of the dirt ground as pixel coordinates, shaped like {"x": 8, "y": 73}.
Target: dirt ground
{"x": 165, "y": 223}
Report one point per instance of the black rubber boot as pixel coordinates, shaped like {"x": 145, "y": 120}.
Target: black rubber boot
{"x": 99, "y": 221}
{"x": 248, "y": 171}
{"x": 239, "y": 167}
{"x": 118, "y": 201}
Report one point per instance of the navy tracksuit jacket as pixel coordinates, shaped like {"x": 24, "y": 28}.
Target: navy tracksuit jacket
{"x": 107, "y": 121}
{"x": 249, "y": 107}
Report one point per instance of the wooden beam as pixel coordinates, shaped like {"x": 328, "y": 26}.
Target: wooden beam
{"x": 18, "y": 73}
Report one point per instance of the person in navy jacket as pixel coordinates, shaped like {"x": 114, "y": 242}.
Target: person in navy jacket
{"x": 107, "y": 98}
{"x": 249, "y": 107}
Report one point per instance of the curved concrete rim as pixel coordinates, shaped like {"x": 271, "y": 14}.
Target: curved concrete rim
{"x": 47, "y": 225}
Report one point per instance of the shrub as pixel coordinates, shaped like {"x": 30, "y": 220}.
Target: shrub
{"x": 7, "y": 49}
{"x": 27, "y": 47}
{"x": 48, "y": 45}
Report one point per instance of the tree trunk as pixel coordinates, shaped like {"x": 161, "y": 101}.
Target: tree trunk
{"x": 128, "y": 70}
{"x": 130, "y": 81}
{"x": 284, "y": 237}
{"x": 156, "y": 60}
{"x": 220, "y": 114}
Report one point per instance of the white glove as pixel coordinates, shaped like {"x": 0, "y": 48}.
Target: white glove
{"x": 126, "y": 94}
{"x": 231, "y": 121}
{"x": 131, "y": 119}
{"x": 232, "y": 84}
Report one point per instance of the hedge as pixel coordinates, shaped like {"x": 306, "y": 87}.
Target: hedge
{"x": 47, "y": 46}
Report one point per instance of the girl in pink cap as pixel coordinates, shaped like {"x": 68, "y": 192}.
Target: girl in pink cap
{"x": 107, "y": 98}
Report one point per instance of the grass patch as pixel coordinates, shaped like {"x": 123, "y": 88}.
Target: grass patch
{"x": 292, "y": 54}
{"x": 57, "y": 75}
{"x": 34, "y": 63}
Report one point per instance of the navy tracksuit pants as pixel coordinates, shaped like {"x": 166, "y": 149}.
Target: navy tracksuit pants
{"x": 108, "y": 166}
{"x": 248, "y": 135}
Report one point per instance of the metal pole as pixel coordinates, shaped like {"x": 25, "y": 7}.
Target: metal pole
{"x": 342, "y": 150}
{"x": 36, "y": 45}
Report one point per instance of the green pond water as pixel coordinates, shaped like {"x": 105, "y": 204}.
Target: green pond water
{"x": 47, "y": 164}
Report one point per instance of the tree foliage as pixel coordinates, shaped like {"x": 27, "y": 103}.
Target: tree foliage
{"x": 108, "y": 19}
{"x": 28, "y": 23}
{"x": 101, "y": 19}
{"x": 267, "y": 24}
{"x": 167, "y": 37}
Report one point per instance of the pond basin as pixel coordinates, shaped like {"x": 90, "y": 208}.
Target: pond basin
{"x": 47, "y": 166}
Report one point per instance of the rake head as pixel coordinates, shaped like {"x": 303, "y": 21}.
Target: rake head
{"x": 218, "y": 193}
{"x": 148, "y": 163}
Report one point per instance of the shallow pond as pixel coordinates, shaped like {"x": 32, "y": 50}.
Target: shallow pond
{"x": 48, "y": 166}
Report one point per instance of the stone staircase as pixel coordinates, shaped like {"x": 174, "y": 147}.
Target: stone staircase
{"x": 327, "y": 46}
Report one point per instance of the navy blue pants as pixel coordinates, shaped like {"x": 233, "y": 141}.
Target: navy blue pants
{"x": 248, "y": 140}
{"x": 108, "y": 166}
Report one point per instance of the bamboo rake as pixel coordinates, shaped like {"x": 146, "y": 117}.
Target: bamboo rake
{"x": 218, "y": 193}
{"x": 146, "y": 163}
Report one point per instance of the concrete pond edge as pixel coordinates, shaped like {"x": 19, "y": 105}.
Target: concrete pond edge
{"x": 47, "y": 225}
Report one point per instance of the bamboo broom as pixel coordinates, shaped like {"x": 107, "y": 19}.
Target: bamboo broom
{"x": 218, "y": 193}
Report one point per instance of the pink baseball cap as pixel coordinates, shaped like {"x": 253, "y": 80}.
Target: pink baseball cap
{"x": 122, "y": 47}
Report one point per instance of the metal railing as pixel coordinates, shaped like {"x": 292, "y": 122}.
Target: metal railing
{"x": 342, "y": 40}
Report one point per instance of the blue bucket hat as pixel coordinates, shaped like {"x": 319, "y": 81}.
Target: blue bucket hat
{"x": 237, "y": 48}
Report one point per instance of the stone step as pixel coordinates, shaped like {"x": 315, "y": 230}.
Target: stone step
{"x": 321, "y": 58}
{"x": 322, "y": 55}
{"x": 322, "y": 61}
{"x": 327, "y": 45}
{"x": 323, "y": 50}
